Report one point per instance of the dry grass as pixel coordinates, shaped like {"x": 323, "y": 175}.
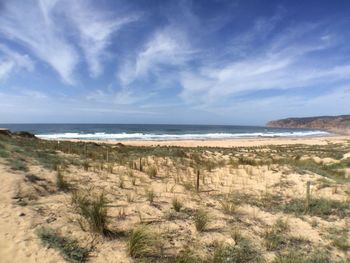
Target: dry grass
{"x": 244, "y": 188}
{"x": 93, "y": 210}
{"x": 201, "y": 219}
{"x": 143, "y": 243}
{"x": 177, "y": 204}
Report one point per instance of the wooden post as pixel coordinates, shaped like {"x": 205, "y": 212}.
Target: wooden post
{"x": 140, "y": 165}
{"x": 307, "y": 201}
{"x": 197, "y": 183}
{"x": 107, "y": 156}
{"x": 85, "y": 150}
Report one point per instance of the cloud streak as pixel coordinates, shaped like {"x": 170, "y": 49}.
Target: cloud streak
{"x": 32, "y": 25}
{"x": 282, "y": 65}
{"x": 41, "y": 27}
{"x": 166, "y": 47}
{"x": 192, "y": 57}
{"x": 11, "y": 61}
{"x": 95, "y": 29}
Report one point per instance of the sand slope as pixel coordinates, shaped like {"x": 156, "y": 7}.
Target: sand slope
{"x": 18, "y": 242}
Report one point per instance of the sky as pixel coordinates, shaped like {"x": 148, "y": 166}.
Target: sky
{"x": 173, "y": 62}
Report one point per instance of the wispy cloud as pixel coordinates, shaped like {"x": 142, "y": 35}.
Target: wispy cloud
{"x": 11, "y": 61}
{"x": 283, "y": 64}
{"x": 45, "y": 28}
{"x": 166, "y": 47}
{"x": 124, "y": 96}
{"x": 32, "y": 24}
{"x": 193, "y": 57}
{"x": 5, "y": 68}
{"x": 95, "y": 28}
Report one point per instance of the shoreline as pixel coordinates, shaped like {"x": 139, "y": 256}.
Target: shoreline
{"x": 225, "y": 143}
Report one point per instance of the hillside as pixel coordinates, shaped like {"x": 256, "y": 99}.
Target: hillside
{"x": 330, "y": 123}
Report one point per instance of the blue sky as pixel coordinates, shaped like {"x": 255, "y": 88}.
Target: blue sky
{"x": 201, "y": 62}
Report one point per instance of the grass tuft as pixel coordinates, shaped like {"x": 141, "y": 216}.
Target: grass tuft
{"x": 275, "y": 236}
{"x": 18, "y": 165}
{"x": 293, "y": 256}
{"x": 150, "y": 195}
{"x": 177, "y": 204}
{"x": 142, "y": 243}
{"x": 201, "y": 220}
{"x": 228, "y": 207}
{"x": 321, "y": 207}
{"x": 152, "y": 172}
{"x": 243, "y": 252}
{"x": 93, "y": 210}
{"x": 61, "y": 183}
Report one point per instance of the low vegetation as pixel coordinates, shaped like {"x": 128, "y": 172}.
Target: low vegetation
{"x": 143, "y": 243}
{"x": 185, "y": 205}
{"x": 201, "y": 220}
{"x": 177, "y": 204}
{"x": 242, "y": 252}
{"x": 93, "y": 210}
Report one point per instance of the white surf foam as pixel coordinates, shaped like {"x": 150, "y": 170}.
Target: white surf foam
{"x": 143, "y": 136}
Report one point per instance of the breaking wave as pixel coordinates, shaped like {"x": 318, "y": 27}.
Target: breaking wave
{"x": 196, "y": 136}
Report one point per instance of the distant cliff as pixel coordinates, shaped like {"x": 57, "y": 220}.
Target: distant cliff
{"x": 339, "y": 124}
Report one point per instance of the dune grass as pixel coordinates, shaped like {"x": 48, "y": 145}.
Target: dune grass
{"x": 276, "y": 236}
{"x": 18, "y": 165}
{"x": 61, "y": 182}
{"x": 321, "y": 207}
{"x": 293, "y": 256}
{"x": 143, "y": 243}
{"x": 228, "y": 207}
{"x": 152, "y": 172}
{"x": 242, "y": 252}
{"x": 92, "y": 208}
{"x": 150, "y": 195}
{"x": 201, "y": 219}
{"x": 177, "y": 204}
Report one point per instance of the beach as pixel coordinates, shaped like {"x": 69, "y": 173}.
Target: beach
{"x": 227, "y": 143}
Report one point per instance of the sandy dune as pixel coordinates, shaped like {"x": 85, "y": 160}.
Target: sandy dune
{"x": 245, "y": 174}
{"x": 18, "y": 243}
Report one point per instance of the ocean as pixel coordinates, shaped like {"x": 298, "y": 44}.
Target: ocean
{"x": 119, "y": 132}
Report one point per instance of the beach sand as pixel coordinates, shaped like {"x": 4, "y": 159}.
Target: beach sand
{"x": 227, "y": 143}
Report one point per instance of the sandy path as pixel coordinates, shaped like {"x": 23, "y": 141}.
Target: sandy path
{"x": 18, "y": 242}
